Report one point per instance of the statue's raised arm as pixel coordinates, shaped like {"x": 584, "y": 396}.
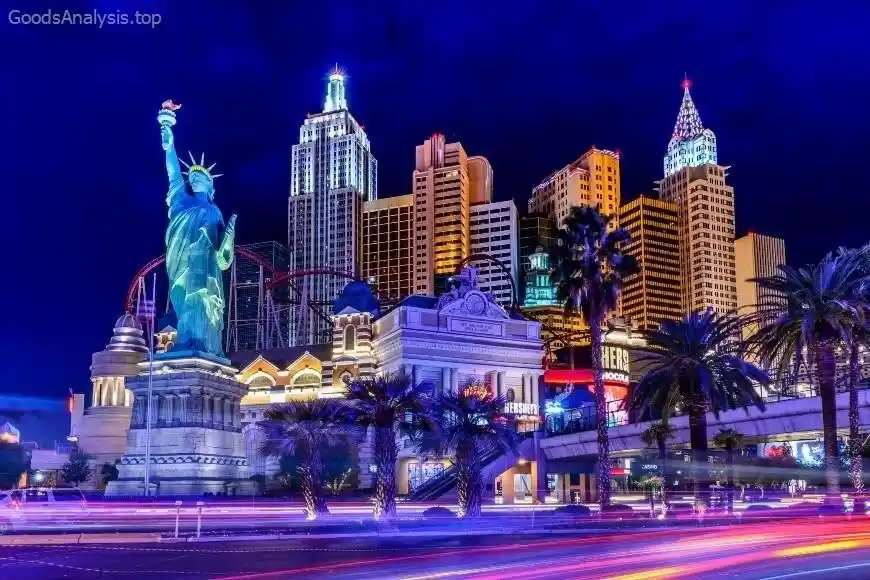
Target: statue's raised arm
{"x": 166, "y": 118}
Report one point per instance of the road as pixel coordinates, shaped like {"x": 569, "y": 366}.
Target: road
{"x": 830, "y": 548}
{"x": 236, "y": 516}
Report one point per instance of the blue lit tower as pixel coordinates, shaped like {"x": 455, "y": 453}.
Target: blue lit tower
{"x": 695, "y": 182}
{"x": 691, "y": 145}
{"x": 333, "y": 173}
{"x": 539, "y": 290}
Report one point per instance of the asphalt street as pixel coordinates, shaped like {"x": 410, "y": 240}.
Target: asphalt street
{"x": 812, "y": 548}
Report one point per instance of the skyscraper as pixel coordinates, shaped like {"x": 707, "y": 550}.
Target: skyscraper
{"x": 333, "y": 173}
{"x": 653, "y": 293}
{"x": 757, "y": 256}
{"x": 388, "y": 238}
{"x": 695, "y": 183}
{"x": 494, "y": 233}
{"x": 592, "y": 180}
{"x": 446, "y": 181}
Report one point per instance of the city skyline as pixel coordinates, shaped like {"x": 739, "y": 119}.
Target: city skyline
{"x": 250, "y": 88}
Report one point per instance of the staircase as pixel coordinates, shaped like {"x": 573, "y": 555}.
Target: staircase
{"x": 493, "y": 463}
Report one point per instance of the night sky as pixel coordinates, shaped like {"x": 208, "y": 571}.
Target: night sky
{"x": 529, "y": 85}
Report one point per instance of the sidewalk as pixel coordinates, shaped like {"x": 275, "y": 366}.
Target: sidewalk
{"x": 526, "y": 525}
{"x": 63, "y": 539}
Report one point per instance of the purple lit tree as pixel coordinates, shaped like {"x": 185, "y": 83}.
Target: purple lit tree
{"x": 390, "y": 405}
{"x": 304, "y": 429}
{"x": 589, "y": 269}
{"x": 469, "y": 424}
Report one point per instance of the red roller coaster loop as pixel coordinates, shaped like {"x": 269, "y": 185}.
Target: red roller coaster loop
{"x": 130, "y": 302}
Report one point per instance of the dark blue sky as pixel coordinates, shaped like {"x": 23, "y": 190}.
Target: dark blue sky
{"x": 529, "y": 85}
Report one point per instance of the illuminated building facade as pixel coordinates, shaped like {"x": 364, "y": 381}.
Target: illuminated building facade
{"x": 446, "y": 183}
{"x": 333, "y": 173}
{"x": 592, "y": 180}
{"x": 494, "y": 233}
{"x": 653, "y": 293}
{"x": 695, "y": 183}
{"x": 448, "y": 341}
{"x": 757, "y": 256}
{"x": 388, "y": 238}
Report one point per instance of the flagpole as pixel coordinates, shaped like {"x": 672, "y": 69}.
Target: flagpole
{"x": 150, "y": 390}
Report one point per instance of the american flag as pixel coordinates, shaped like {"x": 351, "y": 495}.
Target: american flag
{"x": 146, "y": 309}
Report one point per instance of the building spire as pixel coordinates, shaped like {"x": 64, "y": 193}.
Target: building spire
{"x": 688, "y": 125}
{"x": 335, "y": 100}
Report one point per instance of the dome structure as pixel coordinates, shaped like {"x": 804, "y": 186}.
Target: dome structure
{"x": 128, "y": 321}
{"x": 357, "y": 295}
{"x": 127, "y": 335}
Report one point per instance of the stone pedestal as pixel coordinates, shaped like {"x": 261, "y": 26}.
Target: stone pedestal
{"x": 196, "y": 439}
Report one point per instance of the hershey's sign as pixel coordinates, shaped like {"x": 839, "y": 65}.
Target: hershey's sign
{"x": 614, "y": 358}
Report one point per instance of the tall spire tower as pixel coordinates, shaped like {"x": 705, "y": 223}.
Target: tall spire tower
{"x": 335, "y": 100}
{"x": 695, "y": 183}
{"x": 691, "y": 144}
{"x": 333, "y": 174}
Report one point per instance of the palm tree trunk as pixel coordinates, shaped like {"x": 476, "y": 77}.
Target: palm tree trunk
{"x": 854, "y": 422}
{"x": 663, "y": 459}
{"x": 825, "y": 371}
{"x": 385, "y": 466}
{"x": 604, "y": 482}
{"x": 468, "y": 482}
{"x": 312, "y": 488}
{"x": 729, "y": 464}
{"x": 698, "y": 442}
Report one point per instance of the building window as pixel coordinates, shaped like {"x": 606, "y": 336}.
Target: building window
{"x": 306, "y": 380}
{"x": 261, "y": 382}
{"x": 349, "y": 338}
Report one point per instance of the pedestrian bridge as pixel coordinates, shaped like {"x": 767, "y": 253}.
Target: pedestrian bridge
{"x": 792, "y": 417}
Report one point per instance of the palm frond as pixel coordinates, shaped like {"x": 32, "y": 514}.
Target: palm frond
{"x": 697, "y": 360}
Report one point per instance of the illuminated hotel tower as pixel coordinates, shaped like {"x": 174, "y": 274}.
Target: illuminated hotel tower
{"x": 757, "y": 256}
{"x": 592, "y": 180}
{"x": 388, "y": 238}
{"x": 446, "y": 183}
{"x": 333, "y": 174}
{"x": 695, "y": 183}
{"x": 652, "y": 294}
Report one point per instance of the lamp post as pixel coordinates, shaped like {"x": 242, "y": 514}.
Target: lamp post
{"x": 150, "y": 390}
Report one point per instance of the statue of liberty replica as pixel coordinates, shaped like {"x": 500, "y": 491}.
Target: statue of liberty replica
{"x": 199, "y": 246}
{"x": 185, "y": 432}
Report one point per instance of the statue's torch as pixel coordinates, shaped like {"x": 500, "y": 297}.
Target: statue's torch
{"x": 166, "y": 116}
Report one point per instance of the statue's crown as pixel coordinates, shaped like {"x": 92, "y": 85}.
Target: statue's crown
{"x": 195, "y": 166}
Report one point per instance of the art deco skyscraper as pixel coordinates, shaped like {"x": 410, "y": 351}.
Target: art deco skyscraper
{"x": 333, "y": 173}
{"x": 446, "y": 183}
{"x": 695, "y": 183}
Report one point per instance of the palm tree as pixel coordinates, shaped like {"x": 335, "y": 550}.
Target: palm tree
{"x": 305, "y": 429}
{"x": 695, "y": 363}
{"x": 391, "y": 405}
{"x": 860, "y": 338}
{"x": 657, "y": 434}
{"x": 589, "y": 269}
{"x": 729, "y": 439}
{"x": 470, "y": 423}
{"x": 811, "y": 315}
